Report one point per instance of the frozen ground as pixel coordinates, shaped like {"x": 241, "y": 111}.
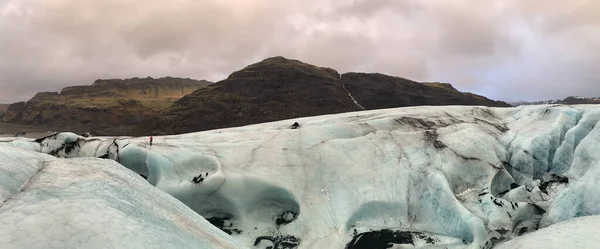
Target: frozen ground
{"x": 433, "y": 177}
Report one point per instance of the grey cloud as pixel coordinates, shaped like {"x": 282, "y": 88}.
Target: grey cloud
{"x": 364, "y": 8}
{"x": 504, "y": 49}
{"x": 465, "y": 32}
{"x": 560, "y": 55}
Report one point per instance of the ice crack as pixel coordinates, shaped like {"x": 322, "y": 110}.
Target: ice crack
{"x": 26, "y": 183}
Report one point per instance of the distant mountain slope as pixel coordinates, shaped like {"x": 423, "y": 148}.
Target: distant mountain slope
{"x": 571, "y": 100}
{"x": 107, "y": 106}
{"x": 278, "y": 88}
{"x": 376, "y": 91}
{"x": 3, "y": 108}
{"x": 274, "y": 89}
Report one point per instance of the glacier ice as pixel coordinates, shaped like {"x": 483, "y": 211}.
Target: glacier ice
{"x": 580, "y": 232}
{"x": 92, "y": 203}
{"x": 451, "y": 177}
{"x": 565, "y": 153}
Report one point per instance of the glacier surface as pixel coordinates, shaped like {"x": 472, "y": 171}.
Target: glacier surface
{"x": 417, "y": 177}
{"x": 46, "y": 202}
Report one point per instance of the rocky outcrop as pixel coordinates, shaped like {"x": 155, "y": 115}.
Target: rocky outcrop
{"x": 106, "y": 107}
{"x": 138, "y": 88}
{"x": 278, "y": 88}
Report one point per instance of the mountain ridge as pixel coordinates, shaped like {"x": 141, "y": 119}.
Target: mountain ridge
{"x": 275, "y": 88}
{"x": 107, "y": 106}
{"x": 570, "y": 100}
{"x": 278, "y": 88}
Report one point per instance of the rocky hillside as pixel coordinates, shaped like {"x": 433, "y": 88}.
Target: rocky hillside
{"x": 278, "y": 88}
{"x": 274, "y": 89}
{"x": 376, "y": 91}
{"x": 3, "y": 108}
{"x": 106, "y": 107}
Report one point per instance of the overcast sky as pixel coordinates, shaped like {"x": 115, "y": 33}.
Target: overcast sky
{"x": 508, "y": 50}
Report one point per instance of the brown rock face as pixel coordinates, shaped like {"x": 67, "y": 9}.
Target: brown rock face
{"x": 106, "y": 107}
{"x": 278, "y": 88}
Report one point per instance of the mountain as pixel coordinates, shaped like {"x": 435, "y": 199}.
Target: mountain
{"x": 571, "y": 100}
{"x": 110, "y": 106}
{"x": 278, "y": 88}
{"x": 274, "y": 89}
{"x": 376, "y": 91}
{"x": 415, "y": 177}
{"x": 3, "y": 108}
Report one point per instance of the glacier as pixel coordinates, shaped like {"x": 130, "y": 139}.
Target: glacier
{"x": 579, "y": 232}
{"x": 414, "y": 177}
{"x": 46, "y": 202}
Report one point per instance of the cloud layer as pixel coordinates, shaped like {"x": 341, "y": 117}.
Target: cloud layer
{"x": 510, "y": 50}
